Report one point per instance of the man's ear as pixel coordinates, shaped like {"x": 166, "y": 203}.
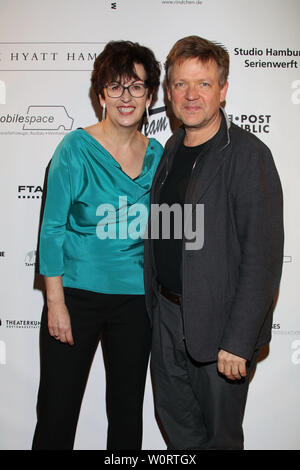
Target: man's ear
{"x": 169, "y": 93}
{"x": 223, "y": 92}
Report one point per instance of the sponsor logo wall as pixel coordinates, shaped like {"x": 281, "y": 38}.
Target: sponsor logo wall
{"x": 46, "y": 58}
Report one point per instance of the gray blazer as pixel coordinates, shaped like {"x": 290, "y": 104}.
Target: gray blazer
{"x": 229, "y": 285}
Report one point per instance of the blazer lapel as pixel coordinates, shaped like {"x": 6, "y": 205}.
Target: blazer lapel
{"x": 200, "y": 183}
{"x": 215, "y": 154}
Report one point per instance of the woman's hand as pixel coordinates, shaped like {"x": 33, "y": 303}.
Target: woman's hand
{"x": 59, "y": 323}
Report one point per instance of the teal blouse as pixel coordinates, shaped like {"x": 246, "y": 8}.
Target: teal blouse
{"x": 95, "y": 216}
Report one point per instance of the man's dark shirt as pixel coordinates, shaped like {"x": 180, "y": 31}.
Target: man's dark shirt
{"x": 168, "y": 252}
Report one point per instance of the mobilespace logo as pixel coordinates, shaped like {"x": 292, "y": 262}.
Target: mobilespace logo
{"x": 38, "y": 118}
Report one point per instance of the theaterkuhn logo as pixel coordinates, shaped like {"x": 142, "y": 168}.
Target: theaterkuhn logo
{"x": 38, "y": 118}
{"x": 27, "y": 324}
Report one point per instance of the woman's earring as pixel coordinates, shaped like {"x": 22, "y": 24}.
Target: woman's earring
{"x": 103, "y": 112}
{"x": 147, "y": 112}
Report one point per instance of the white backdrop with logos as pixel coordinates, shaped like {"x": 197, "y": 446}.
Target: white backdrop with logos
{"x": 47, "y": 51}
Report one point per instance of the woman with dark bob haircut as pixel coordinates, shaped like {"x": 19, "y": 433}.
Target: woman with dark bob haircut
{"x": 91, "y": 255}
